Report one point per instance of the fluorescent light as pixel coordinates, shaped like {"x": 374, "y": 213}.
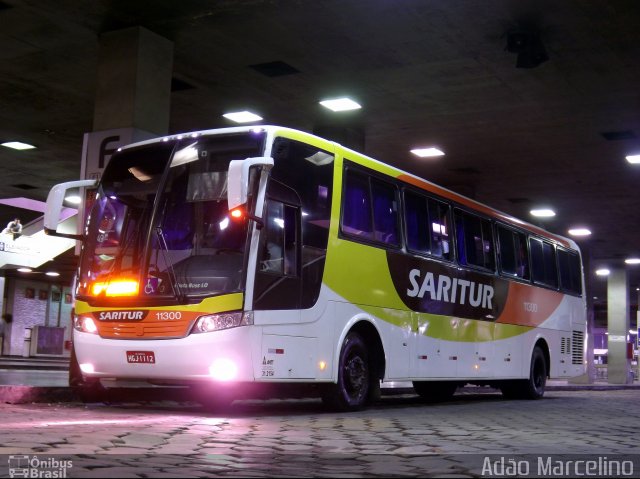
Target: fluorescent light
{"x": 603, "y": 272}
{"x": 340, "y": 104}
{"x": 25, "y": 270}
{"x": 427, "y": 152}
{"x": 633, "y": 159}
{"x": 579, "y": 232}
{"x": 73, "y": 199}
{"x": 543, "y": 213}
{"x": 632, "y": 260}
{"x": 242, "y": 116}
{"x": 18, "y": 145}
{"x": 52, "y": 273}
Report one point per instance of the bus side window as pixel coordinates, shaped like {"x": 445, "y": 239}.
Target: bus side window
{"x": 569, "y": 266}
{"x": 543, "y": 262}
{"x": 475, "y": 241}
{"x": 439, "y": 218}
{"x": 357, "y": 207}
{"x": 416, "y": 220}
{"x": 385, "y": 212}
{"x": 514, "y": 258}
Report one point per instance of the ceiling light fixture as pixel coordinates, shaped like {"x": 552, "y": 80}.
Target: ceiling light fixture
{"x": 633, "y": 159}
{"x": 632, "y": 260}
{"x": 73, "y": 199}
{"x": 427, "y": 152}
{"x": 18, "y": 145}
{"x": 543, "y": 213}
{"x": 341, "y": 104}
{"x": 52, "y": 273}
{"x": 242, "y": 116}
{"x": 603, "y": 272}
{"x": 579, "y": 232}
{"x": 25, "y": 270}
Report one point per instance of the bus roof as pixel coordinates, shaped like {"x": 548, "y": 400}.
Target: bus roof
{"x": 401, "y": 175}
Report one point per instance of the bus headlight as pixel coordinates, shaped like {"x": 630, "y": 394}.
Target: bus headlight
{"x": 86, "y": 324}
{"x": 217, "y": 322}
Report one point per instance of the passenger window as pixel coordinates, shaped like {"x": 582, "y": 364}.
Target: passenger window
{"x": 514, "y": 258}
{"x": 543, "y": 263}
{"x": 417, "y": 221}
{"x": 356, "y": 218}
{"x": 474, "y": 240}
{"x": 570, "y": 274}
{"x": 370, "y": 209}
{"x": 439, "y": 224}
{"x": 385, "y": 212}
{"x": 427, "y": 222}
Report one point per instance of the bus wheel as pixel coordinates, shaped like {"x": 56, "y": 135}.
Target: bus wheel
{"x": 88, "y": 390}
{"x": 435, "y": 391}
{"x": 351, "y": 392}
{"x": 532, "y": 388}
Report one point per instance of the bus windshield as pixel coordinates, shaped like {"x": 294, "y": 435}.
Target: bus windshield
{"x": 160, "y": 227}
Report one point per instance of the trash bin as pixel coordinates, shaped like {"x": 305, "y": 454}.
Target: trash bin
{"x": 27, "y": 343}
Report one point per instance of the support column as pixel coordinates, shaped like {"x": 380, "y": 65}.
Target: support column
{"x": 133, "y": 88}
{"x": 618, "y": 366}
{"x": 133, "y": 97}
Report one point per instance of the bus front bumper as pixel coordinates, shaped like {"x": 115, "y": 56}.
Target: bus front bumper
{"x": 217, "y": 356}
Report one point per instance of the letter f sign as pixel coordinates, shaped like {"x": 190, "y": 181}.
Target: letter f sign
{"x": 106, "y": 151}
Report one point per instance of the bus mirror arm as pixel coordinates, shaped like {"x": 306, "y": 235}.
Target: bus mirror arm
{"x": 259, "y": 221}
{"x": 238, "y": 179}
{"x": 54, "y": 207}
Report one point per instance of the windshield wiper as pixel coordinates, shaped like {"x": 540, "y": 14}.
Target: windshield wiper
{"x": 177, "y": 291}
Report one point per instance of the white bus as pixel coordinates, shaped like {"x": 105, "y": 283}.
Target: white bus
{"x": 232, "y": 258}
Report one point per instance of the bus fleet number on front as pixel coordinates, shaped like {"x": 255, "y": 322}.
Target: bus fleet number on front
{"x": 168, "y": 315}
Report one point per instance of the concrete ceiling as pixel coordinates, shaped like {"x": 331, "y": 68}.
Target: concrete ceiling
{"x": 425, "y": 71}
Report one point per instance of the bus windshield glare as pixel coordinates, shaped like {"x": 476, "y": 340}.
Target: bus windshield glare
{"x": 159, "y": 226}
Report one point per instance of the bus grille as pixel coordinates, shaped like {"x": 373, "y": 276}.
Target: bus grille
{"x": 577, "y": 352}
{"x": 144, "y": 330}
{"x": 565, "y": 346}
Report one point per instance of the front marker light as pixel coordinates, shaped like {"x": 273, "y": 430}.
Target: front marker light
{"x": 217, "y": 322}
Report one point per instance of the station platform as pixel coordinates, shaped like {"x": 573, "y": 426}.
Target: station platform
{"x": 45, "y": 379}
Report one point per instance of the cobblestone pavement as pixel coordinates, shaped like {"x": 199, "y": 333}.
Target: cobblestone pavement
{"x": 400, "y": 436}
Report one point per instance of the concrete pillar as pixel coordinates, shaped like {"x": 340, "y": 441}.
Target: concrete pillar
{"x": 133, "y": 98}
{"x": 133, "y": 88}
{"x": 618, "y": 366}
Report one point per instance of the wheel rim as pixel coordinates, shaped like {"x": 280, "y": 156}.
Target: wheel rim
{"x": 356, "y": 377}
{"x": 539, "y": 375}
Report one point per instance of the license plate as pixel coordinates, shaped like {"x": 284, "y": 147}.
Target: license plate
{"x": 147, "y": 357}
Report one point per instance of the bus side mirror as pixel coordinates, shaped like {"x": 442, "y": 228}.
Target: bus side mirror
{"x": 54, "y": 206}
{"x": 238, "y": 178}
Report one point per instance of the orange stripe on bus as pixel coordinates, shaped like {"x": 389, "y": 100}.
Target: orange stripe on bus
{"x": 529, "y": 305}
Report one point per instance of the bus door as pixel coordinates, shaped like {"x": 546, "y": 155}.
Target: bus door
{"x": 286, "y": 353}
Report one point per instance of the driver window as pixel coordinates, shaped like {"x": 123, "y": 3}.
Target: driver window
{"x": 278, "y": 254}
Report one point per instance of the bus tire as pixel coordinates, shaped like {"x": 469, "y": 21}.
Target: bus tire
{"x": 435, "y": 391}
{"x": 87, "y": 390}
{"x": 532, "y": 388}
{"x": 351, "y": 392}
